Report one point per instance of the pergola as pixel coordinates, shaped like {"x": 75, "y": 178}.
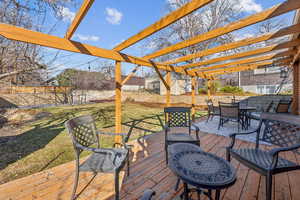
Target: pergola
{"x": 247, "y": 60}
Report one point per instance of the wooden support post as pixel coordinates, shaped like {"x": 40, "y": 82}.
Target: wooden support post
{"x": 193, "y": 97}
{"x": 168, "y": 89}
{"x": 209, "y": 88}
{"x": 118, "y": 103}
{"x": 296, "y": 89}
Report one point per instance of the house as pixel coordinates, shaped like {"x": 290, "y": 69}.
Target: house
{"x": 264, "y": 81}
{"x": 135, "y": 83}
{"x": 179, "y": 84}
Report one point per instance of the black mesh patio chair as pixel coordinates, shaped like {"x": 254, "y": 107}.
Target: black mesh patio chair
{"x": 85, "y": 137}
{"x": 230, "y": 112}
{"x": 177, "y": 117}
{"x": 211, "y": 110}
{"x": 283, "y": 106}
{"x": 256, "y": 114}
{"x": 281, "y": 130}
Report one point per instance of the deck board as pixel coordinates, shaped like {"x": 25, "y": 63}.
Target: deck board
{"x": 149, "y": 170}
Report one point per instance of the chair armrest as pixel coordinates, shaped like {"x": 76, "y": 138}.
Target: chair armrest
{"x": 281, "y": 149}
{"x": 274, "y": 153}
{"x": 124, "y": 138}
{"x": 233, "y": 135}
{"x": 148, "y": 194}
{"x": 95, "y": 150}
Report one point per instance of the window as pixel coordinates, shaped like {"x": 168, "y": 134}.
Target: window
{"x": 268, "y": 70}
{"x": 266, "y": 89}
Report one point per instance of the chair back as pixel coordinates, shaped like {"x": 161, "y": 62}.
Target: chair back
{"x": 178, "y": 116}
{"x": 283, "y": 106}
{"x": 280, "y": 129}
{"x": 229, "y": 110}
{"x": 210, "y": 106}
{"x": 82, "y": 131}
{"x": 269, "y": 107}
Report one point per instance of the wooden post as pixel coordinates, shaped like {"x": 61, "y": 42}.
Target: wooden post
{"x": 296, "y": 89}
{"x": 168, "y": 89}
{"x": 193, "y": 97}
{"x": 209, "y": 88}
{"x": 118, "y": 103}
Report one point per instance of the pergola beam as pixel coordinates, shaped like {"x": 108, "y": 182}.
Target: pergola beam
{"x": 244, "y": 42}
{"x": 79, "y": 16}
{"x": 244, "y": 67}
{"x": 24, "y": 35}
{"x": 130, "y": 75}
{"x": 277, "y": 10}
{"x": 163, "y": 22}
{"x": 246, "y": 61}
{"x": 245, "y": 54}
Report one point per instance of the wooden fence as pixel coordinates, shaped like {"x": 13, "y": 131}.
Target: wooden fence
{"x": 34, "y": 89}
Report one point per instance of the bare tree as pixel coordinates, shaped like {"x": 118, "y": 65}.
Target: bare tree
{"x": 17, "y": 57}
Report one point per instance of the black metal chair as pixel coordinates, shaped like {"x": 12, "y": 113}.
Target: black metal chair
{"x": 283, "y": 106}
{"x": 177, "y": 117}
{"x": 85, "y": 137}
{"x": 256, "y": 115}
{"x": 230, "y": 112}
{"x": 278, "y": 129}
{"x": 211, "y": 110}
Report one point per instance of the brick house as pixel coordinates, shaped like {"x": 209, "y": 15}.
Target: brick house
{"x": 264, "y": 81}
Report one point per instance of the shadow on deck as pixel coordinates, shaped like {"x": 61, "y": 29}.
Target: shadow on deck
{"x": 148, "y": 170}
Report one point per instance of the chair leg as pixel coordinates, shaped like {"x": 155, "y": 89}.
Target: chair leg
{"x": 166, "y": 151}
{"x": 269, "y": 186}
{"x": 208, "y": 116}
{"x": 220, "y": 122}
{"x": 75, "y": 180}
{"x": 228, "y": 157}
{"x": 117, "y": 185}
{"x": 128, "y": 165}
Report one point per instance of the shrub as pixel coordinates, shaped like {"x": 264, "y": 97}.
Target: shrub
{"x": 202, "y": 90}
{"x": 231, "y": 89}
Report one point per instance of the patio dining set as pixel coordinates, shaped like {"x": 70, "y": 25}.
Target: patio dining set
{"x": 200, "y": 172}
{"x": 242, "y": 113}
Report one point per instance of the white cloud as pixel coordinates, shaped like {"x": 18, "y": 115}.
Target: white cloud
{"x": 113, "y": 16}
{"x": 66, "y": 14}
{"x": 87, "y": 37}
{"x": 248, "y": 6}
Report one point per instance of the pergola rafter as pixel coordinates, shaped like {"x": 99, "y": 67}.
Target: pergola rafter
{"x": 252, "y": 61}
{"x": 253, "y": 52}
{"x": 163, "y": 22}
{"x": 244, "y": 67}
{"x": 79, "y": 16}
{"x": 244, "y": 42}
{"x": 253, "y": 19}
{"x": 248, "y": 60}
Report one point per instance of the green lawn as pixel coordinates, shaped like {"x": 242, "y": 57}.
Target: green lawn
{"x": 44, "y": 143}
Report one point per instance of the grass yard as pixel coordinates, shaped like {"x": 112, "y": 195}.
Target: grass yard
{"x": 44, "y": 143}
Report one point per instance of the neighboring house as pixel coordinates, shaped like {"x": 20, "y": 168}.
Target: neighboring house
{"x": 263, "y": 81}
{"x": 135, "y": 83}
{"x": 179, "y": 85}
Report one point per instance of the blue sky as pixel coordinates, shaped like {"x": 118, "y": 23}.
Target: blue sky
{"x": 111, "y": 21}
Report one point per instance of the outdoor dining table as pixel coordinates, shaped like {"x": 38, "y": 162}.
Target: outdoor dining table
{"x": 244, "y": 110}
{"x": 200, "y": 169}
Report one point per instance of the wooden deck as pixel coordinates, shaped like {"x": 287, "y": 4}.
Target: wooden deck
{"x": 148, "y": 170}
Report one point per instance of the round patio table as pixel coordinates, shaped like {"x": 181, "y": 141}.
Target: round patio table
{"x": 200, "y": 169}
